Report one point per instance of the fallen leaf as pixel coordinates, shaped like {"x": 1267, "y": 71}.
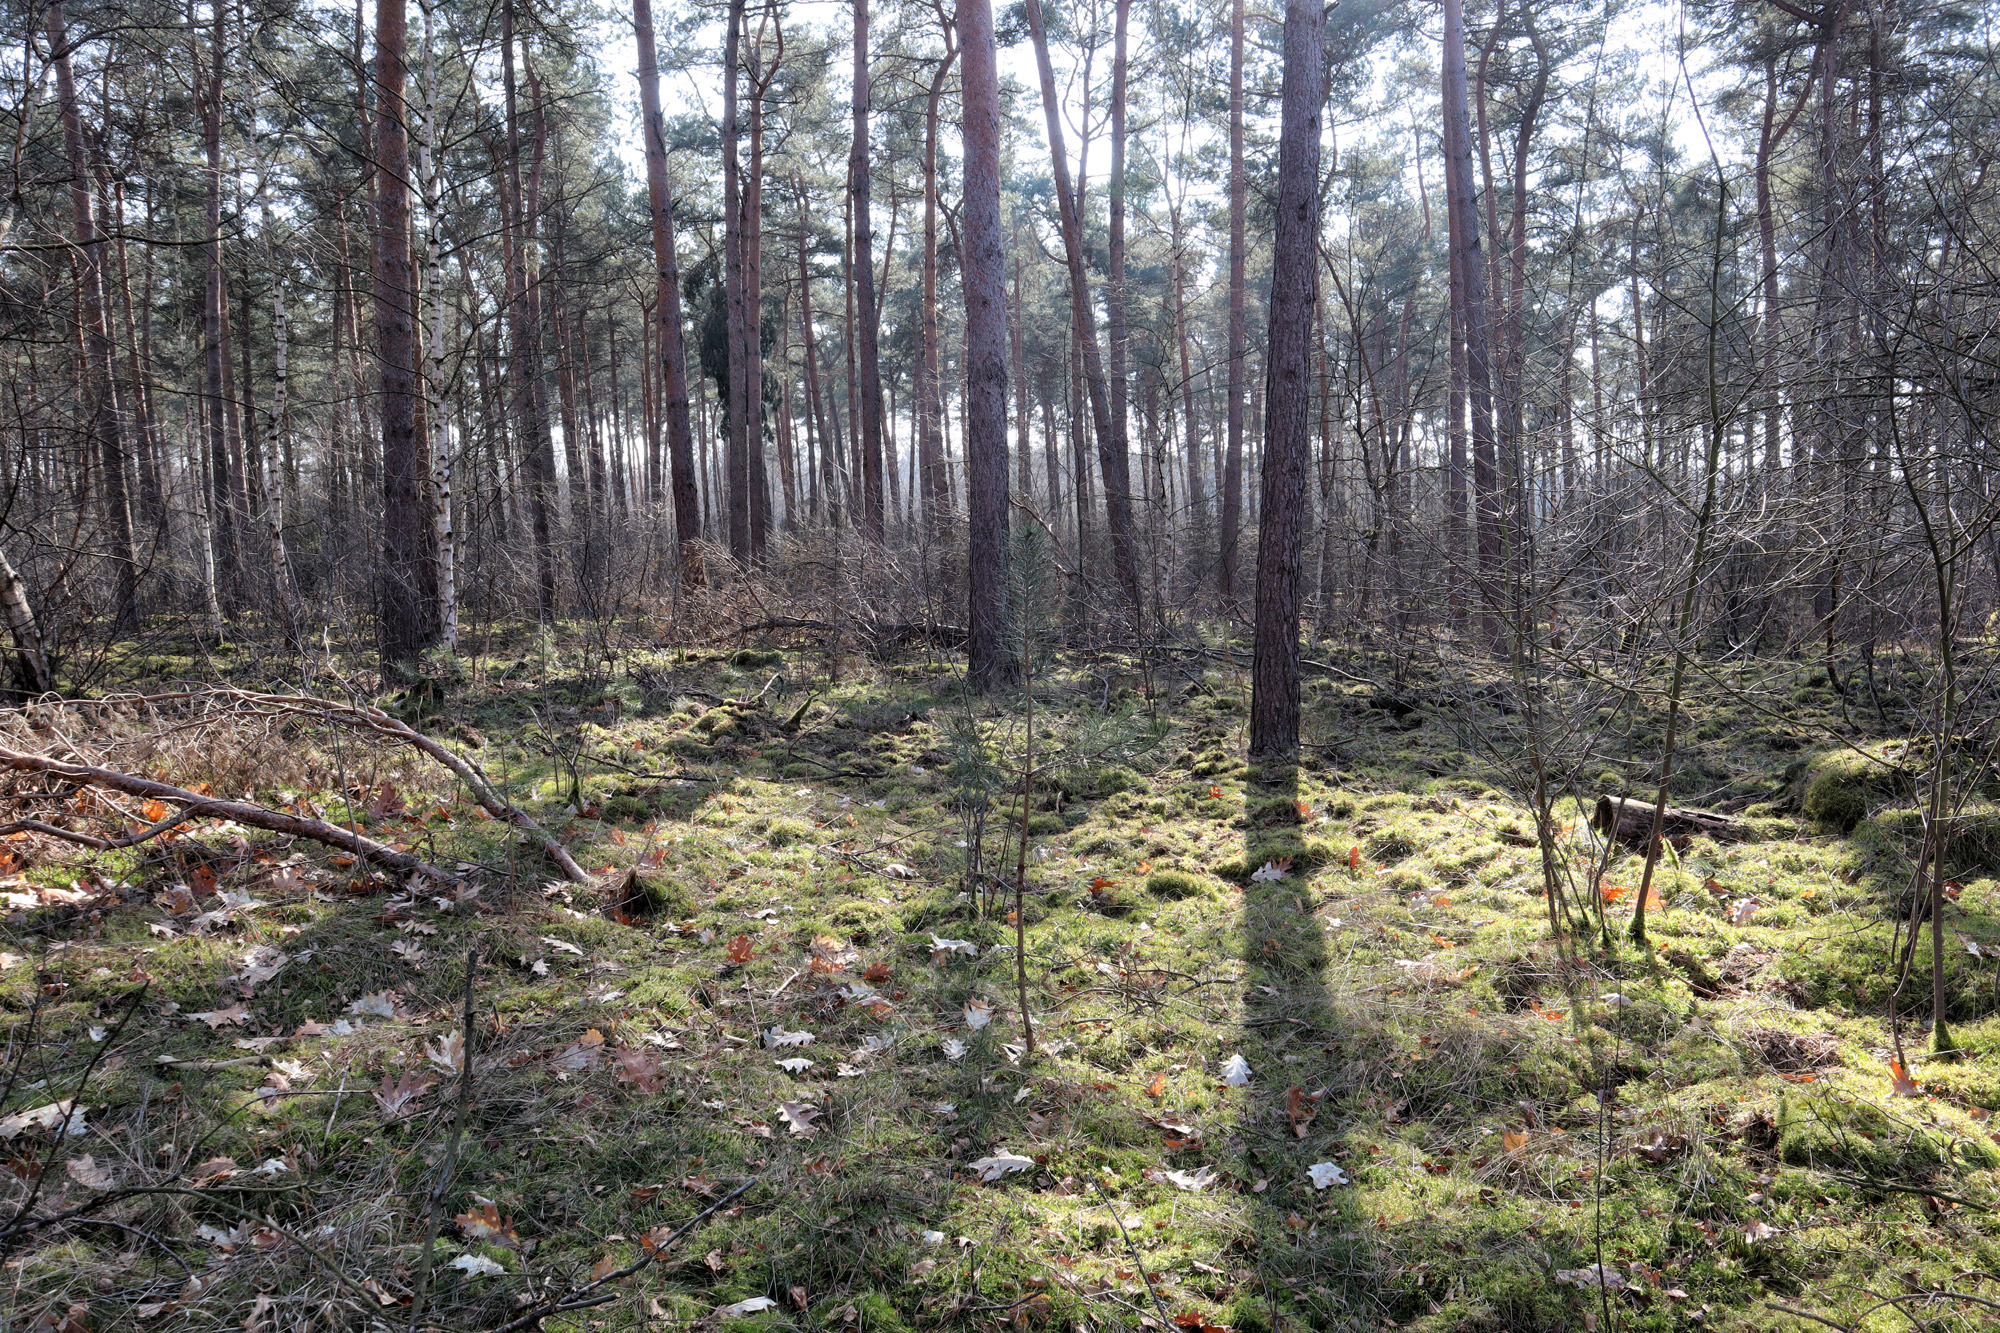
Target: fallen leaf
{"x": 221, "y": 1018}
{"x": 214, "y": 1169}
{"x": 400, "y": 1097}
{"x": 88, "y": 1173}
{"x": 779, "y": 1037}
{"x": 978, "y": 1014}
{"x": 798, "y": 1118}
{"x": 448, "y": 1053}
{"x": 1324, "y": 1174}
{"x": 476, "y": 1265}
{"x": 1192, "y": 1181}
{"x": 1001, "y": 1163}
{"x": 484, "y": 1223}
{"x": 1901, "y": 1082}
{"x": 740, "y": 949}
{"x": 1157, "y": 1086}
{"x": 1236, "y": 1071}
{"x": 382, "y": 1004}
{"x": 638, "y": 1069}
{"x": 755, "y": 1305}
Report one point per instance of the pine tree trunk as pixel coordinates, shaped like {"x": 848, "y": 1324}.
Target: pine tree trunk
{"x": 1472, "y": 279}
{"x": 1232, "y": 465}
{"x": 1274, "y": 672}
{"x": 100, "y": 404}
{"x": 984, "y": 278}
{"x": 868, "y": 432}
{"x": 405, "y": 593}
{"x": 223, "y": 534}
{"x": 1112, "y": 459}
{"x": 670, "y": 347}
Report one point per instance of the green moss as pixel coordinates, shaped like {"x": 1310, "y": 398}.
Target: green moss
{"x": 1843, "y": 787}
{"x": 788, "y": 832}
{"x": 1178, "y": 884}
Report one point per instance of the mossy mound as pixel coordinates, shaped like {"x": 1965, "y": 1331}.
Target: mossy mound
{"x": 1840, "y": 788}
{"x": 1177, "y": 884}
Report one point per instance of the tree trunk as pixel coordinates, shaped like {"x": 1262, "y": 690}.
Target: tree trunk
{"x": 672, "y": 351}
{"x": 521, "y": 199}
{"x": 1232, "y": 465}
{"x": 228, "y": 554}
{"x": 929, "y": 395}
{"x": 984, "y": 276}
{"x": 405, "y": 593}
{"x": 1472, "y": 280}
{"x": 1114, "y": 463}
{"x": 437, "y": 412}
{"x": 868, "y": 429}
{"x": 100, "y": 405}
{"x": 1274, "y": 672}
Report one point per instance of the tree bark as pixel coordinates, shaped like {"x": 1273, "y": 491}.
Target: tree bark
{"x": 531, "y": 403}
{"x": 1471, "y": 286}
{"x": 405, "y": 590}
{"x": 671, "y": 349}
{"x": 1114, "y": 463}
{"x": 222, "y": 523}
{"x": 868, "y": 429}
{"x": 1232, "y": 465}
{"x": 100, "y": 405}
{"x": 1274, "y": 671}
{"x": 983, "y": 268}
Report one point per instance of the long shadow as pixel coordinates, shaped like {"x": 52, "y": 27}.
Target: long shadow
{"x": 1313, "y": 1264}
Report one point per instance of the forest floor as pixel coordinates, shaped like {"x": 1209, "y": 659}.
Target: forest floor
{"x": 1305, "y": 1054}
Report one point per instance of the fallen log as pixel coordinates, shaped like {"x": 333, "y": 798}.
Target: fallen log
{"x": 1629, "y": 819}
{"x": 194, "y": 804}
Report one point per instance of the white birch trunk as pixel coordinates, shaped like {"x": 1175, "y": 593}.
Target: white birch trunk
{"x": 435, "y": 414}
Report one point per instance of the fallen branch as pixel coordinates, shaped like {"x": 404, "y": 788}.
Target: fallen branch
{"x": 483, "y": 791}
{"x": 91, "y": 840}
{"x": 194, "y": 804}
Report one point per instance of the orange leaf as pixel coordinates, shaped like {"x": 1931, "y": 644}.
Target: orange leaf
{"x": 1611, "y": 893}
{"x": 740, "y": 950}
{"x": 1900, "y": 1080}
{"x": 1513, "y": 1140}
{"x": 1214, "y": 792}
{"x": 1157, "y": 1086}
{"x": 202, "y": 880}
{"x": 1354, "y": 858}
{"x": 1101, "y": 883}
{"x": 877, "y": 973}
{"x": 155, "y": 810}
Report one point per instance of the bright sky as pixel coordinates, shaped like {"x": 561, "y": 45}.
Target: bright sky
{"x": 1644, "y": 35}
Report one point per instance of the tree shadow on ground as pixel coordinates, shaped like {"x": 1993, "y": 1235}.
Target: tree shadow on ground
{"x": 1313, "y": 1262}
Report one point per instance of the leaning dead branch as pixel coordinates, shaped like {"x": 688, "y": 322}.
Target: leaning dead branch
{"x": 196, "y": 805}
{"x": 374, "y": 721}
